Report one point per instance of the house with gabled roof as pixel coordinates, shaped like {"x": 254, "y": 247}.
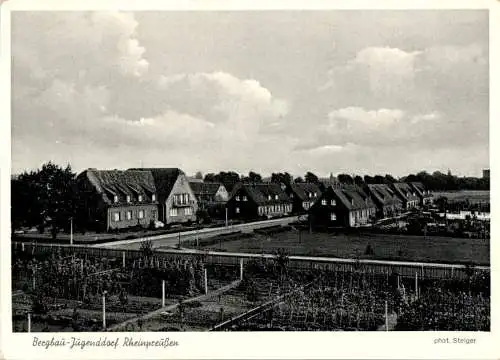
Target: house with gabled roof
{"x": 407, "y": 194}
{"x": 176, "y": 200}
{"x": 348, "y": 206}
{"x": 116, "y": 199}
{"x": 251, "y": 201}
{"x": 303, "y": 196}
{"x": 423, "y": 194}
{"x": 211, "y": 197}
{"x": 387, "y": 202}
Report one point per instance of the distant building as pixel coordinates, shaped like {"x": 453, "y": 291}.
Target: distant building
{"x": 254, "y": 201}
{"x": 177, "y": 202}
{"x": 114, "y": 199}
{"x": 303, "y": 196}
{"x": 407, "y": 194}
{"x": 486, "y": 173}
{"x": 342, "y": 207}
{"x": 387, "y": 202}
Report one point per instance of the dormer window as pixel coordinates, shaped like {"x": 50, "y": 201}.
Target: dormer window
{"x": 245, "y": 198}
{"x": 115, "y": 199}
{"x": 333, "y": 202}
{"x": 275, "y": 197}
{"x": 128, "y": 198}
{"x": 237, "y": 198}
{"x": 139, "y": 198}
{"x": 153, "y": 197}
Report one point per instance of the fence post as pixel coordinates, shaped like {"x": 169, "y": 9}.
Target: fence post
{"x": 416, "y": 285}
{"x": 163, "y": 293}
{"x": 206, "y": 281}
{"x": 241, "y": 269}
{"x": 386, "y": 317}
{"x": 104, "y": 310}
{"x": 123, "y": 259}
{"x": 29, "y": 322}
{"x": 22, "y": 247}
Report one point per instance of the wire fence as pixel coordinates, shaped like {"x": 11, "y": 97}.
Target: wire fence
{"x": 77, "y": 290}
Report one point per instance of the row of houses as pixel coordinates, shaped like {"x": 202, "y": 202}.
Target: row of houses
{"x": 115, "y": 199}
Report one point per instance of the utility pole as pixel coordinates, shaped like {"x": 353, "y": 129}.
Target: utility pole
{"x": 226, "y": 216}
{"x": 104, "y": 310}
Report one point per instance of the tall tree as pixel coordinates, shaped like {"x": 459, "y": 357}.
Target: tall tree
{"x": 389, "y": 179}
{"x": 311, "y": 178}
{"x": 50, "y": 197}
{"x": 358, "y": 180}
{"x": 253, "y": 177}
{"x": 345, "y": 179}
{"x": 211, "y": 177}
{"x": 279, "y": 178}
{"x": 198, "y": 175}
{"x": 298, "y": 180}
{"x": 379, "y": 179}
{"x": 369, "y": 179}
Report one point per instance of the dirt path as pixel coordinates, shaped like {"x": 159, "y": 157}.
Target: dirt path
{"x": 122, "y": 326}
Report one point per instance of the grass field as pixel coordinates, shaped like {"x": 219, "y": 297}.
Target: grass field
{"x": 474, "y": 196}
{"x": 385, "y": 246}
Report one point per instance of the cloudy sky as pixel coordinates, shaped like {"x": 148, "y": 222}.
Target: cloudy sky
{"x": 362, "y": 92}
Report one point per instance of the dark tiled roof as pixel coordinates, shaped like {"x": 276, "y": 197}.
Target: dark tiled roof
{"x": 303, "y": 189}
{"x": 110, "y": 183}
{"x": 204, "y": 188}
{"x": 260, "y": 193}
{"x": 420, "y": 189}
{"x": 405, "y": 191}
{"x": 353, "y": 198}
{"x": 383, "y": 194}
{"x": 164, "y": 179}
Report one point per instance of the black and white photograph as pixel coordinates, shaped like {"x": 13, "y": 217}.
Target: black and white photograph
{"x": 250, "y": 171}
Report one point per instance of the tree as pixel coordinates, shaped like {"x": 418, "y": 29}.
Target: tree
{"x": 279, "y": 178}
{"x": 211, "y": 177}
{"x": 379, "y": 179}
{"x": 47, "y": 196}
{"x": 298, "y": 180}
{"x": 311, "y": 178}
{"x": 368, "y": 179}
{"x": 389, "y": 179}
{"x": 198, "y": 175}
{"x": 253, "y": 177}
{"x": 345, "y": 179}
{"x": 358, "y": 180}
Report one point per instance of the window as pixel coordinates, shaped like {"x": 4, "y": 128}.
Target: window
{"x": 129, "y": 215}
{"x": 237, "y": 210}
{"x": 268, "y": 197}
{"x": 237, "y": 198}
{"x": 188, "y": 211}
{"x": 153, "y": 214}
{"x": 116, "y": 216}
{"x": 323, "y": 202}
{"x": 173, "y": 212}
{"x": 245, "y": 198}
{"x": 128, "y": 198}
{"x": 139, "y": 198}
{"x": 115, "y": 198}
{"x": 153, "y": 197}
{"x": 333, "y": 217}
{"x": 315, "y": 194}
{"x": 333, "y": 202}
{"x": 275, "y": 197}
{"x": 141, "y": 214}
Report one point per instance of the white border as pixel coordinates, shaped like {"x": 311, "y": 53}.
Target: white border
{"x": 414, "y": 345}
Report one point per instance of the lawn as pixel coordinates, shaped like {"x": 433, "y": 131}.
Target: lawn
{"x": 385, "y": 246}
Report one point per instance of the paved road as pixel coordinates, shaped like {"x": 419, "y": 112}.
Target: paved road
{"x": 173, "y": 239}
